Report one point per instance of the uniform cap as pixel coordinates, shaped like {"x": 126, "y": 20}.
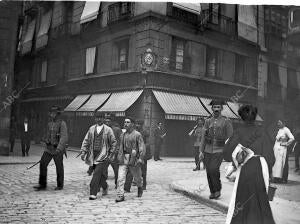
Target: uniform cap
{"x": 217, "y": 102}
{"x": 55, "y": 108}
{"x": 99, "y": 114}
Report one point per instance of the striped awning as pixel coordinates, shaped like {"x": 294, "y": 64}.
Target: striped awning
{"x": 180, "y": 106}
{"x": 94, "y": 102}
{"x": 191, "y": 7}
{"x": 227, "y": 112}
{"x": 90, "y": 11}
{"x": 76, "y": 103}
{"x": 119, "y": 102}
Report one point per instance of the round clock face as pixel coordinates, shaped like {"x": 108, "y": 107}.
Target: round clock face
{"x": 148, "y": 58}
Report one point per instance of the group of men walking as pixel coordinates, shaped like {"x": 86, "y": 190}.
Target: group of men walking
{"x": 104, "y": 144}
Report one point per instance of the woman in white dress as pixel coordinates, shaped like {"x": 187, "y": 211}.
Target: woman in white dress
{"x": 284, "y": 138}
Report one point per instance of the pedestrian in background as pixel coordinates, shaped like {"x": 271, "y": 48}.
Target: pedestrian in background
{"x": 97, "y": 148}
{"x": 159, "y": 135}
{"x": 216, "y": 130}
{"x": 110, "y": 121}
{"x": 130, "y": 157}
{"x": 145, "y": 134}
{"x": 56, "y": 140}
{"x": 25, "y": 132}
{"x": 13, "y": 133}
{"x": 196, "y": 134}
{"x": 284, "y": 138}
{"x": 297, "y": 148}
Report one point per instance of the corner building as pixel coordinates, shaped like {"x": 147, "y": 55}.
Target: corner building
{"x": 154, "y": 61}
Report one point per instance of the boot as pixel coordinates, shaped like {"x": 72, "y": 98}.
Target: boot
{"x": 140, "y": 192}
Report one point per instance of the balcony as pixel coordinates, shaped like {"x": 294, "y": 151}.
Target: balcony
{"x": 183, "y": 15}
{"x": 214, "y": 21}
{"x": 120, "y": 11}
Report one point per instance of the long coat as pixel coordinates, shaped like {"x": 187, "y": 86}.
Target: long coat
{"x": 108, "y": 143}
{"x": 253, "y": 137}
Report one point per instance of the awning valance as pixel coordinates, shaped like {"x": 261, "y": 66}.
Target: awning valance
{"x": 225, "y": 112}
{"x": 50, "y": 98}
{"x": 191, "y": 7}
{"x": 94, "y": 102}
{"x": 179, "y": 106}
{"x": 27, "y": 42}
{"x": 119, "y": 102}
{"x": 90, "y": 12}
{"x": 42, "y": 37}
{"x": 76, "y": 103}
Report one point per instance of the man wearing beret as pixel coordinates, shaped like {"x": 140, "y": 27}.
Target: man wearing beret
{"x": 216, "y": 130}
{"x": 56, "y": 140}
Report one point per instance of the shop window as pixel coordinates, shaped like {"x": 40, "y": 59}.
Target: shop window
{"x": 120, "y": 55}
{"x": 212, "y": 62}
{"x": 44, "y": 71}
{"x": 180, "y": 60}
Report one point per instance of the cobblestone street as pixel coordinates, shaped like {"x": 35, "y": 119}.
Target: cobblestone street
{"x": 19, "y": 203}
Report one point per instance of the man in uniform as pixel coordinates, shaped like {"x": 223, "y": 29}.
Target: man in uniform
{"x": 159, "y": 135}
{"x": 56, "y": 140}
{"x": 130, "y": 157}
{"x": 216, "y": 130}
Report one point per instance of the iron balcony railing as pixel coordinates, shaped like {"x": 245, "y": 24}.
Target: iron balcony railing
{"x": 215, "y": 21}
{"x": 120, "y": 11}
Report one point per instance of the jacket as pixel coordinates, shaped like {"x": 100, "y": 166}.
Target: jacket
{"x": 108, "y": 143}
{"x": 135, "y": 142}
{"x": 56, "y": 136}
{"x": 215, "y": 132}
{"x": 253, "y": 137}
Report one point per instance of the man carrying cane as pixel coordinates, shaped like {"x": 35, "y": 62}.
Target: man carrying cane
{"x": 56, "y": 141}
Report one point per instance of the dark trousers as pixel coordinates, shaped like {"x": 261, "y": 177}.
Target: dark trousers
{"x": 285, "y": 172}
{"x": 157, "y": 151}
{"x": 45, "y": 160}
{"x": 99, "y": 178}
{"x": 115, "y": 167}
{"x": 212, "y": 162}
{"x": 25, "y": 143}
{"x": 297, "y": 154}
{"x": 129, "y": 177}
{"x": 196, "y": 154}
{"x": 12, "y": 144}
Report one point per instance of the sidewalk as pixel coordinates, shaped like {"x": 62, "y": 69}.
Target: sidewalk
{"x": 285, "y": 206}
{"x": 35, "y": 153}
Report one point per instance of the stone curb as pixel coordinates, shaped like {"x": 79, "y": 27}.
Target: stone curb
{"x": 215, "y": 204}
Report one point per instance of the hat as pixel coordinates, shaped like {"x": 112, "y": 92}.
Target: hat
{"x": 55, "y": 108}
{"x": 99, "y": 114}
{"x": 217, "y": 102}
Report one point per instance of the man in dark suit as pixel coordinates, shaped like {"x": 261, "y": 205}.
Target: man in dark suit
{"x": 25, "y": 136}
{"x": 159, "y": 135}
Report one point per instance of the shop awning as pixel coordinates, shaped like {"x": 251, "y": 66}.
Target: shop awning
{"x": 94, "y": 102}
{"x": 50, "y": 98}
{"x": 179, "y": 106}
{"x": 119, "y": 102}
{"x": 42, "y": 37}
{"x": 235, "y": 107}
{"x": 90, "y": 12}
{"x": 226, "y": 110}
{"x": 27, "y": 42}
{"x": 76, "y": 103}
{"x": 191, "y": 7}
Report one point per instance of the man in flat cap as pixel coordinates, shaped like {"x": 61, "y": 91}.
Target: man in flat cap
{"x": 56, "y": 140}
{"x": 216, "y": 130}
{"x": 97, "y": 148}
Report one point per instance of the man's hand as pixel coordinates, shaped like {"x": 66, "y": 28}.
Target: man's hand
{"x": 140, "y": 161}
{"x": 201, "y": 156}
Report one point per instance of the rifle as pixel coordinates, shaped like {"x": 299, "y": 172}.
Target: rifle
{"x": 79, "y": 154}
{"x": 29, "y": 167}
